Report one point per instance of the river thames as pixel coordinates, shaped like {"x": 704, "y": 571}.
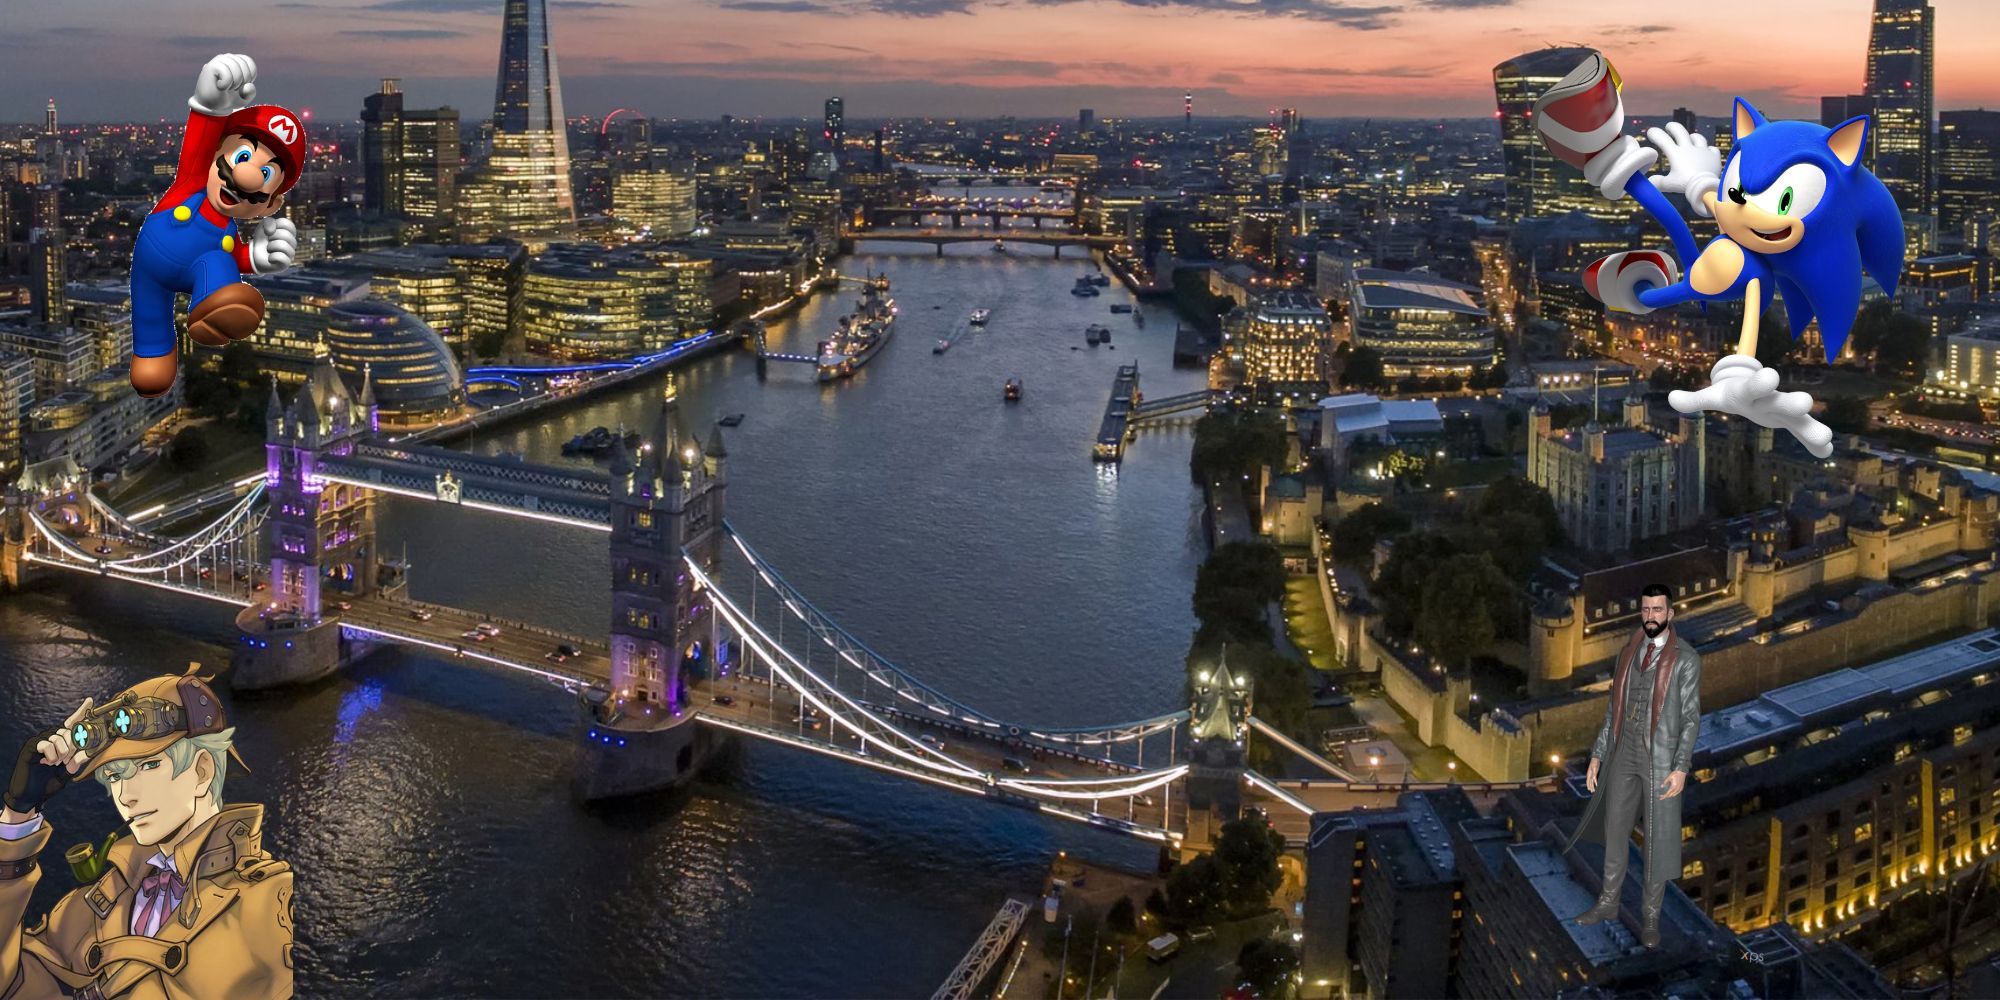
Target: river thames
{"x": 423, "y": 803}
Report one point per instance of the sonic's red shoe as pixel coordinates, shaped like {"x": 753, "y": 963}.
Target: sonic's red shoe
{"x": 1614, "y": 280}
{"x": 1582, "y": 113}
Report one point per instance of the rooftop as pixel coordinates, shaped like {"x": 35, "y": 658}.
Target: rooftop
{"x": 1379, "y": 288}
{"x": 1613, "y": 593}
{"x": 1359, "y": 411}
{"x": 1844, "y": 695}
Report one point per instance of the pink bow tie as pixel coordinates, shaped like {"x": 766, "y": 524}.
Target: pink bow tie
{"x": 162, "y": 880}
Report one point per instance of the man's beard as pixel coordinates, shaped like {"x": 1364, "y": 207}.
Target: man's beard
{"x": 1653, "y": 629}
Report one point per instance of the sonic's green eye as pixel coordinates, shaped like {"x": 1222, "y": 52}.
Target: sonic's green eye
{"x": 1785, "y": 202}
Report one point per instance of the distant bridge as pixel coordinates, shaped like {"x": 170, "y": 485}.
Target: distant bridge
{"x": 959, "y": 212}
{"x": 940, "y": 237}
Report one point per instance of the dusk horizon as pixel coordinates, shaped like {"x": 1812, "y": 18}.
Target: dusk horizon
{"x": 943, "y": 59}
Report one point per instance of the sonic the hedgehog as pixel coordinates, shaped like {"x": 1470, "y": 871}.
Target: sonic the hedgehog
{"x": 1799, "y": 216}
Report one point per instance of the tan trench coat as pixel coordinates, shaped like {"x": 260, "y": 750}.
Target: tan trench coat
{"x": 231, "y": 936}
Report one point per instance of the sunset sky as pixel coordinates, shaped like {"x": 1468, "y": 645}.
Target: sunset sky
{"x": 125, "y": 60}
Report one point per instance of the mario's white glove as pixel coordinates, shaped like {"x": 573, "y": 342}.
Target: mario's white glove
{"x": 1741, "y": 385}
{"x": 273, "y": 245}
{"x": 227, "y": 83}
{"x": 1694, "y": 168}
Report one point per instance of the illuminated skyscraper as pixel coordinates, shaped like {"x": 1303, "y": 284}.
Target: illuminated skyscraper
{"x": 524, "y": 188}
{"x": 657, "y": 198}
{"x": 409, "y": 159}
{"x": 49, "y": 120}
{"x": 835, "y": 133}
{"x": 1968, "y": 168}
{"x": 50, "y": 247}
{"x": 1537, "y": 182}
{"x": 1900, "y": 47}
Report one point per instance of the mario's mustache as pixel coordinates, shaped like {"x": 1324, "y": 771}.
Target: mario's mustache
{"x": 229, "y": 181}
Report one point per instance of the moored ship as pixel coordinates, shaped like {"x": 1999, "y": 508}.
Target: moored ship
{"x": 861, "y": 333}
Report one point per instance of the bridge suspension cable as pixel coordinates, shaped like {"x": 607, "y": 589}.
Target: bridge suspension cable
{"x": 220, "y": 531}
{"x": 111, "y": 514}
{"x": 761, "y": 642}
{"x": 907, "y": 687}
{"x": 1118, "y": 786}
{"x": 224, "y": 530}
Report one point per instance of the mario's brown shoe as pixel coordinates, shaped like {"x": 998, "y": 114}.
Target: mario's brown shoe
{"x": 231, "y": 312}
{"x": 154, "y": 376}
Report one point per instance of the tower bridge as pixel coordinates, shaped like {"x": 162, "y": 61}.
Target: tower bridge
{"x": 706, "y": 638}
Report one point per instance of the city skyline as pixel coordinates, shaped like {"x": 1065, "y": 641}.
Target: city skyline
{"x": 963, "y": 58}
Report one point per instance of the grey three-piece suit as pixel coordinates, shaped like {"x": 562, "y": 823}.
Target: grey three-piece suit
{"x": 1649, "y": 730}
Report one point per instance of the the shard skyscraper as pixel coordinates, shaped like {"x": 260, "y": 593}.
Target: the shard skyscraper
{"x": 524, "y": 190}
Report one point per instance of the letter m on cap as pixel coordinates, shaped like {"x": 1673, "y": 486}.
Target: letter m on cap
{"x": 284, "y": 128}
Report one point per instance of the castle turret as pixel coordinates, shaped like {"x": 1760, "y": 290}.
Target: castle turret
{"x": 1218, "y": 724}
{"x": 369, "y": 412}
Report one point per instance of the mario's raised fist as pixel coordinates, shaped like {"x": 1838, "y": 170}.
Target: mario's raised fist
{"x": 273, "y": 244}
{"x": 226, "y": 83}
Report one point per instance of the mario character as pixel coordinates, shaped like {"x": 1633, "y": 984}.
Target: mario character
{"x": 1799, "y": 214}
{"x": 237, "y": 162}
{"x": 188, "y": 904}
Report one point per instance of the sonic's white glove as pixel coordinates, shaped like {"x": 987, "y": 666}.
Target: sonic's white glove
{"x": 227, "y": 83}
{"x": 1615, "y": 164}
{"x": 1694, "y": 168}
{"x": 273, "y": 245}
{"x": 1741, "y": 385}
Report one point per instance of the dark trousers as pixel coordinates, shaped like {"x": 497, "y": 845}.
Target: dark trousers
{"x": 1624, "y": 781}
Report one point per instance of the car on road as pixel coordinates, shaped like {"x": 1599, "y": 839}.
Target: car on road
{"x": 723, "y": 699}
{"x": 1015, "y": 764}
{"x": 567, "y": 649}
{"x": 421, "y": 615}
{"x": 555, "y": 656}
{"x": 473, "y": 634}
{"x": 104, "y": 550}
{"x": 343, "y": 605}
{"x": 487, "y": 629}
{"x": 934, "y": 742}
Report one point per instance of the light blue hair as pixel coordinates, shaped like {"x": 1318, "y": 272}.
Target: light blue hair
{"x": 181, "y": 753}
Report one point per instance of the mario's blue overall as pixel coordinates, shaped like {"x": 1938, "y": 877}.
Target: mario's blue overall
{"x": 180, "y": 250}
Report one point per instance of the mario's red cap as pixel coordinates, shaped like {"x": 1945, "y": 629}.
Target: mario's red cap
{"x": 279, "y": 130}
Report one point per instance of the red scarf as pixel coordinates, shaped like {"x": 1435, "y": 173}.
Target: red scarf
{"x": 1627, "y": 661}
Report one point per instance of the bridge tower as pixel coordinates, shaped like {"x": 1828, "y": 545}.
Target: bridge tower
{"x": 1218, "y": 724}
{"x": 321, "y": 537}
{"x": 56, "y": 489}
{"x": 641, "y": 736}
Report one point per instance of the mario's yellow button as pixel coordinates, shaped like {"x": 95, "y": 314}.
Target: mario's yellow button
{"x": 182, "y": 214}
{"x": 228, "y": 244}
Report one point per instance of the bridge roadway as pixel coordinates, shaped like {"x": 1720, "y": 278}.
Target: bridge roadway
{"x": 758, "y": 704}
{"x": 518, "y": 645}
